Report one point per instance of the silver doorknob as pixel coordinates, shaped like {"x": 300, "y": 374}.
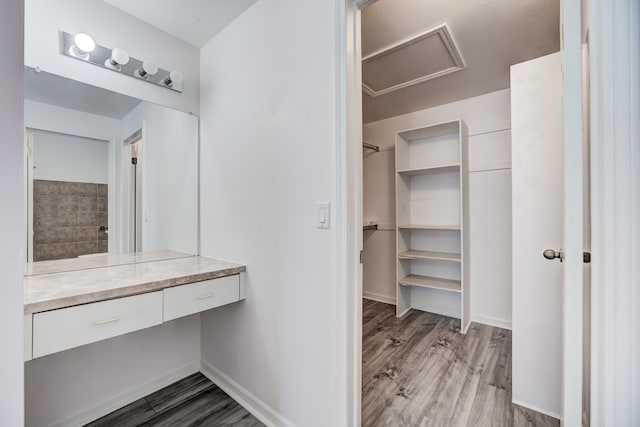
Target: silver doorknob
{"x": 551, "y": 254}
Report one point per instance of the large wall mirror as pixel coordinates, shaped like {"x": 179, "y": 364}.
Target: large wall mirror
{"x": 106, "y": 173}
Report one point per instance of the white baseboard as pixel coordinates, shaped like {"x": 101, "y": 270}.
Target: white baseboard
{"x": 373, "y": 296}
{"x": 443, "y": 311}
{"x": 400, "y": 315}
{"x": 258, "y": 408}
{"x": 533, "y": 408}
{"x": 491, "y": 321}
{"x": 122, "y": 399}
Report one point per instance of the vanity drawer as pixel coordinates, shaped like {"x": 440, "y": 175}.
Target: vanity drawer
{"x": 188, "y": 299}
{"x": 66, "y": 328}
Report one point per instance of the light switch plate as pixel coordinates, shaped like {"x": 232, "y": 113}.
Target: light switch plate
{"x": 324, "y": 214}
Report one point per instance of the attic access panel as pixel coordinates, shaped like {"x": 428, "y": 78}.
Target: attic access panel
{"x": 424, "y": 56}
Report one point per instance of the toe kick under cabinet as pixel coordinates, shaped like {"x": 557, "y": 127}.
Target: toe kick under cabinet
{"x": 61, "y": 329}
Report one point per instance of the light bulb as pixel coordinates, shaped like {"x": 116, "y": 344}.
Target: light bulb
{"x": 118, "y": 58}
{"x": 175, "y": 78}
{"x": 84, "y": 42}
{"x": 149, "y": 68}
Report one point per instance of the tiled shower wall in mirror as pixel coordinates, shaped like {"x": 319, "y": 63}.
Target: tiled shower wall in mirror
{"x": 69, "y": 219}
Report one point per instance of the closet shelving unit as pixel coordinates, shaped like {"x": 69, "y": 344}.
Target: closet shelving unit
{"x": 432, "y": 211}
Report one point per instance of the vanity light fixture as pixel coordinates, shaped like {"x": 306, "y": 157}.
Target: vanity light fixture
{"x": 81, "y": 46}
{"x": 174, "y": 79}
{"x": 118, "y": 58}
{"x": 148, "y": 69}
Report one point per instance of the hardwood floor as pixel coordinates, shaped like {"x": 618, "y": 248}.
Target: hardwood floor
{"x": 417, "y": 371}
{"x": 420, "y": 371}
{"x": 192, "y": 401}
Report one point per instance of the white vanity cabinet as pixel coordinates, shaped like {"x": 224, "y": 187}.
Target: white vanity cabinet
{"x": 58, "y": 330}
{"x": 78, "y": 317}
{"x": 193, "y": 298}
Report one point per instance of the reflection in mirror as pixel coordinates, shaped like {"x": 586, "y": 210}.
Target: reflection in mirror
{"x": 106, "y": 173}
{"x": 68, "y": 178}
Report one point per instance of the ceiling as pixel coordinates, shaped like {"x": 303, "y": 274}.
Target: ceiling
{"x": 491, "y": 35}
{"x": 67, "y": 93}
{"x": 194, "y": 21}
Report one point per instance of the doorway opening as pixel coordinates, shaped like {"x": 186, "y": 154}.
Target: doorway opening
{"x": 134, "y": 188}
{"x": 438, "y": 282}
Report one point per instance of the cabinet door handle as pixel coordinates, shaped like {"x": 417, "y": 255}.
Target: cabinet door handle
{"x": 105, "y": 321}
{"x": 205, "y": 296}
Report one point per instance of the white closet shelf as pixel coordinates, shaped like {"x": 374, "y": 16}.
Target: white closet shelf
{"x": 431, "y": 282}
{"x": 429, "y": 227}
{"x": 438, "y": 256}
{"x": 431, "y": 170}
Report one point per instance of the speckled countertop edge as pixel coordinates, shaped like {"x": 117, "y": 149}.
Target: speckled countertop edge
{"x": 66, "y": 289}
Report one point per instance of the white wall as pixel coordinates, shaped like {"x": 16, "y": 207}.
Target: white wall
{"x": 170, "y": 176}
{"x": 58, "y": 157}
{"x": 488, "y": 119}
{"x": 13, "y": 223}
{"x": 110, "y": 27}
{"x": 73, "y": 386}
{"x": 268, "y": 155}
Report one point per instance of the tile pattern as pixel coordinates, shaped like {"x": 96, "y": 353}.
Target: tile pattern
{"x": 67, "y": 217}
{"x": 192, "y": 401}
{"x": 420, "y": 371}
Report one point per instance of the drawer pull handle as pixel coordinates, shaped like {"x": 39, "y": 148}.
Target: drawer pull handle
{"x": 104, "y": 322}
{"x": 205, "y": 296}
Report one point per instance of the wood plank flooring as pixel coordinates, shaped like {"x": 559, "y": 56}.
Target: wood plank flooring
{"x": 192, "y": 401}
{"x": 420, "y": 371}
{"x": 417, "y": 371}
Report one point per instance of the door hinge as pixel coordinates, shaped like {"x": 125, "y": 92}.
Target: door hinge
{"x": 134, "y": 160}
{"x": 361, "y": 257}
{"x": 586, "y": 257}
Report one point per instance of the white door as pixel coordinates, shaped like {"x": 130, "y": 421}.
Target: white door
{"x": 537, "y": 193}
{"x": 547, "y": 186}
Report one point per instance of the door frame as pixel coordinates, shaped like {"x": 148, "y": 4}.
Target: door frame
{"x": 349, "y": 201}
{"x": 573, "y": 211}
{"x": 349, "y": 179}
{"x": 614, "y": 47}
{"x": 128, "y": 222}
